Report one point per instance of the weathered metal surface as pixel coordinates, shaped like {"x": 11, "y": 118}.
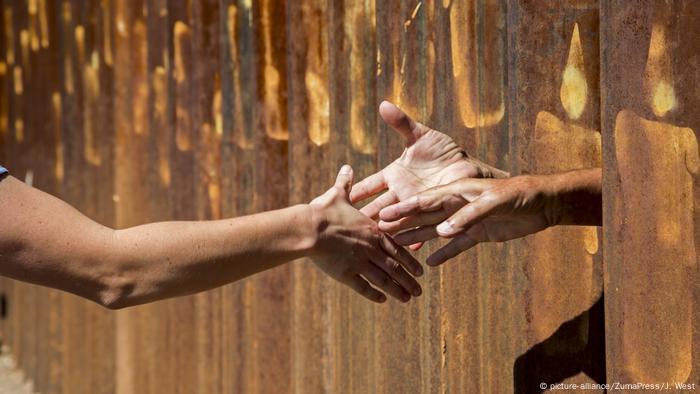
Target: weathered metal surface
{"x": 555, "y": 127}
{"x": 144, "y": 111}
{"x": 650, "y": 125}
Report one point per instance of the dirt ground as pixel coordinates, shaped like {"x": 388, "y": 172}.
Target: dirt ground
{"x": 11, "y": 379}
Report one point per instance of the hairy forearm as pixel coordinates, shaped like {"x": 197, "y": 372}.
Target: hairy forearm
{"x": 47, "y": 242}
{"x": 577, "y": 197}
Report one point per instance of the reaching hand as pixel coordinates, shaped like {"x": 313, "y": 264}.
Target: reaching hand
{"x": 431, "y": 158}
{"x": 477, "y": 210}
{"x": 352, "y": 250}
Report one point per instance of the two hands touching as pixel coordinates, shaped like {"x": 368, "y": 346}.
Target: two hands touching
{"x": 435, "y": 189}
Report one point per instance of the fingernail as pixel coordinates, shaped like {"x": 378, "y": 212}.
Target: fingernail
{"x": 445, "y": 228}
{"x": 432, "y": 260}
{"x": 419, "y": 270}
{"x": 346, "y": 169}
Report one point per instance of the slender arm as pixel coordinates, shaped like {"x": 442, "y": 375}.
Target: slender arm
{"x": 47, "y": 242}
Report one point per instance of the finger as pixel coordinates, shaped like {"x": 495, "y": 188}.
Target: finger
{"x": 372, "y": 209}
{"x": 421, "y": 234}
{"x": 427, "y": 201}
{"x": 419, "y": 220}
{"x": 397, "y": 252}
{"x": 397, "y": 273}
{"x": 381, "y": 280}
{"x": 415, "y": 246}
{"x": 459, "y": 244}
{"x": 364, "y": 289}
{"x": 469, "y": 215}
{"x": 368, "y": 187}
{"x": 402, "y": 123}
{"x": 344, "y": 178}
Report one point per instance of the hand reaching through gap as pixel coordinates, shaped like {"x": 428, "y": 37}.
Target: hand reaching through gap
{"x": 471, "y": 211}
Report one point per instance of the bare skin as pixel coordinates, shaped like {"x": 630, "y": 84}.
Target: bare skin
{"x": 471, "y": 211}
{"x": 47, "y": 242}
{"x": 431, "y": 158}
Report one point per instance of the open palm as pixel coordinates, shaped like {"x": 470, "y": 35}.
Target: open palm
{"x": 430, "y": 159}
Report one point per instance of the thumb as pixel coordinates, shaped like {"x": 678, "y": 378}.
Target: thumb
{"x": 344, "y": 179}
{"x": 401, "y": 123}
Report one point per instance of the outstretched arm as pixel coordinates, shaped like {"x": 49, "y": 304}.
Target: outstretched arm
{"x": 45, "y": 241}
{"x": 471, "y": 211}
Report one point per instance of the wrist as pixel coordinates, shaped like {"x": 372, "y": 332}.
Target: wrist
{"x": 553, "y": 189}
{"x": 309, "y": 225}
{"x": 575, "y": 197}
{"x": 317, "y": 222}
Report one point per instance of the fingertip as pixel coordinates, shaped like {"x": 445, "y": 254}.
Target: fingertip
{"x": 381, "y": 298}
{"x": 445, "y": 228}
{"x": 434, "y": 260}
{"x": 346, "y": 169}
{"x": 385, "y": 213}
{"x": 391, "y": 113}
{"x": 416, "y": 246}
{"x": 386, "y": 105}
{"x": 417, "y": 269}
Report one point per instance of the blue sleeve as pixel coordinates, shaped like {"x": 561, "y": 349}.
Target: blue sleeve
{"x": 2, "y": 170}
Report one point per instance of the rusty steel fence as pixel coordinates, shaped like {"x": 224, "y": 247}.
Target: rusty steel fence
{"x": 144, "y": 111}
